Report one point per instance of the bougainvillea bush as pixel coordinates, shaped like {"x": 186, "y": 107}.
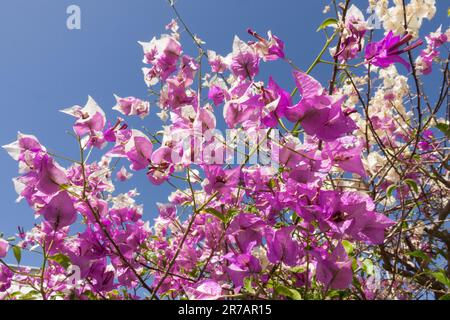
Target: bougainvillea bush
{"x": 336, "y": 190}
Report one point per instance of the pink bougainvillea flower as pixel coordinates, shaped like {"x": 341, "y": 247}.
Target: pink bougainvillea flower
{"x": 123, "y": 174}
{"x": 132, "y": 106}
{"x": 270, "y": 49}
{"x": 368, "y": 225}
{"x": 352, "y": 40}
{"x": 218, "y": 63}
{"x": 51, "y": 177}
{"x": 281, "y": 247}
{"x": 388, "y": 50}
{"x": 335, "y": 271}
{"x": 373, "y": 227}
{"x": 161, "y": 165}
{"x": 176, "y": 94}
{"x": 216, "y": 94}
{"x": 167, "y": 210}
{"x": 246, "y": 231}
{"x": 241, "y": 266}
{"x": 6, "y": 276}
{"x": 345, "y": 152}
{"x": 321, "y": 115}
{"x": 59, "y": 212}
{"x": 313, "y": 99}
{"x": 204, "y": 119}
{"x": 103, "y": 279}
{"x": 138, "y": 150}
{"x": 205, "y": 290}
{"x": 109, "y": 134}
{"x": 307, "y": 167}
{"x": 242, "y": 105}
{"x": 276, "y": 101}
{"x": 244, "y": 60}
{"x": 24, "y": 143}
{"x": 437, "y": 39}
{"x": 172, "y": 26}
{"x": 352, "y": 214}
{"x": 424, "y": 61}
{"x": 220, "y": 180}
{"x": 163, "y": 55}
{"x": 188, "y": 68}
{"x": 4, "y": 246}
{"x": 90, "y": 118}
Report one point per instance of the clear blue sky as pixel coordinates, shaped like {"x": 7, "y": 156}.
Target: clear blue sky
{"x": 44, "y": 66}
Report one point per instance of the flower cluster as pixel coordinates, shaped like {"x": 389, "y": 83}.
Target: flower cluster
{"x": 348, "y": 176}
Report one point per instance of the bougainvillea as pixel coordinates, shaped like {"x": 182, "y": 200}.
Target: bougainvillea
{"x": 317, "y": 191}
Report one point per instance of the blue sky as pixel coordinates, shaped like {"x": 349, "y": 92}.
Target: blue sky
{"x": 45, "y": 67}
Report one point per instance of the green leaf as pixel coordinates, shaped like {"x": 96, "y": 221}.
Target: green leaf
{"x": 248, "y": 286}
{"x": 354, "y": 264}
{"x": 412, "y": 184}
{"x": 368, "y": 266}
{"x": 348, "y": 246}
{"x": 418, "y": 254}
{"x": 17, "y": 253}
{"x": 272, "y": 184}
{"x": 217, "y": 214}
{"x": 32, "y": 295}
{"x": 63, "y": 260}
{"x": 390, "y": 190}
{"x": 333, "y": 294}
{"x": 232, "y": 212}
{"x": 298, "y": 269}
{"x": 445, "y": 128}
{"x": 445, "y": 297}
{"x": 288, "y": 293}
{"x": 441, "y": 277}
{"x": 326, "y": 23}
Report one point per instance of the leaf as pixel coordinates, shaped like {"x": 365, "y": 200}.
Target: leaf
{"x": 444, "y": 128}
{"x": 17, "y": 253}
{"x": 288, "y": 293}
{"x": 418, "y": 254}
{"x": 217, "y": 214}
{"x": 368, "y": 266}
{"x": 326, "y": 23}
{"x": 390, "y": 190}
{"x": 248, "y": 286}
{"x": 63, "y": 260}
{"x": 348, "y": 246}
{"x": 232, "y": 212}
{"x": 272, "y": 184}
{"x": 333, "y": 294}
{"x": 354, "y": 264}
{"x": 412, "y": 184}
{"x": 298, "y": 269}
{"x": 445, "y": 297}
{"x": 441, "y": 277}
{"x": 32, "y": 295}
